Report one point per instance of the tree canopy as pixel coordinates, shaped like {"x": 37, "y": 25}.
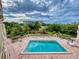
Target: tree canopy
{"x": 15, "y": 30}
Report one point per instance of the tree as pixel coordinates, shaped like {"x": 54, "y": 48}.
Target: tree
{"x": 25, "y": 28}
{"x": 37, "y": 25}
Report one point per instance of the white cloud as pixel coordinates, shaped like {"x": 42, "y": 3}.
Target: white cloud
{"x": 37, "y": 12}
{"x": 16, "y": 17}
{"x": 57, "y": 9}
{"x": 8, "y": 3}
{"x": 17, "y": 14}
{"x": 41, "y": 3}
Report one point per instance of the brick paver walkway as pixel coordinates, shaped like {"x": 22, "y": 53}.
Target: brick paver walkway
{"x": 16, "y": 48}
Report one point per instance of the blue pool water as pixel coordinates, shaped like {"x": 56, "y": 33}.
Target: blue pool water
{"x": 44, "y": 46}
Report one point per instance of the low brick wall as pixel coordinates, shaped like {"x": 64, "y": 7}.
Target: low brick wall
{"x": 47, "y": 56}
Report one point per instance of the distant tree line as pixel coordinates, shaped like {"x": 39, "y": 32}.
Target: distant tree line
{"x": 70, "y": 29}
{"x": 15, "y": 30}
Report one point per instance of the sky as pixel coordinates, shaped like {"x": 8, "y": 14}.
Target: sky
{"x": 48, "y": 11}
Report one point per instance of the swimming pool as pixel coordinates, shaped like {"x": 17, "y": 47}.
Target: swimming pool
{"x": 44, "y": 46}
{"x": 45, "y": 49}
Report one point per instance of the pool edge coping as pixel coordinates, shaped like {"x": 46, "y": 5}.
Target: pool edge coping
{"x": 25, "y": 53}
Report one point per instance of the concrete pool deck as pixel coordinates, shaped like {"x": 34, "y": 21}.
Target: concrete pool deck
{"x": 16, "y": 48}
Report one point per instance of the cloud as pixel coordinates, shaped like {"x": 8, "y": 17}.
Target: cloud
{"x": 49, "y": 10}
{"x": 7, "y": 3}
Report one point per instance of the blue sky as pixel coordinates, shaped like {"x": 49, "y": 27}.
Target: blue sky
{"x": 49, "y": 11}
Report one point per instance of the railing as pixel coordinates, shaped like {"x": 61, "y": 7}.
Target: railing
{"x": 47, "y": 56}
{"x": 1, "y": 43}
{"x": 3, "y": 53}
{"x": 41, "y": 34}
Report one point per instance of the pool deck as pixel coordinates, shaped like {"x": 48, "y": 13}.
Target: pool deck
{"x": 15, "y": 49}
